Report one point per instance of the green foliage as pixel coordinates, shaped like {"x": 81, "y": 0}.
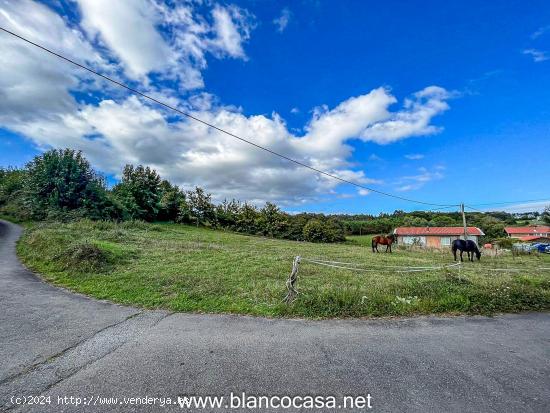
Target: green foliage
{"x": 201, "y": 208}
{"x": 172, "y": 205}
{"x": 227, "y": 214}
{"x": 12, "y": 182}
{"x": 247, "y": 219}
{"x": 62, "y": 182}
{"x": 184, "y": 268}
{"x": 323, "y": 231}
{"x": 60, "y": 185}
{"x": 505, "y": 242}
{"x": 139, "y": 191}
{"x": 546, "y": 215}
{"x": 272, "y": 221}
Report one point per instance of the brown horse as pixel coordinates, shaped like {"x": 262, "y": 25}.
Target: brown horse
{"x": 380, "y": 239}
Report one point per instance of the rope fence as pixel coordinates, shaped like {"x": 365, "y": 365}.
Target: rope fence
{"x": 292, "y": 292}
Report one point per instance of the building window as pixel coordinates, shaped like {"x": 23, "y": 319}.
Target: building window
{"x": 414, "y": 240}
{"x": 445, "y": 241}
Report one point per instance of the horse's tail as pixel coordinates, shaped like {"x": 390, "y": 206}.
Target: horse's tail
{"x": 373, "y": 242}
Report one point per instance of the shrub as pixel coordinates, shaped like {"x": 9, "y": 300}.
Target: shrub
{"x": 60, "y": 181}
{"x": 173, "y": 205}
{"x": 84, "y": 257}
{"x": 271, "y": 221}
{"x": 318, "y": 231}
{"x": 201, "y": 209}
{"x": 506, "y": 242}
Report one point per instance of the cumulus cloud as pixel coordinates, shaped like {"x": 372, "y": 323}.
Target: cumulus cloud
{"x": 413, "y": 120}
{"x": 171, "y": 40}
{"x": 35, "y": 86}
{"x": 282, "y": 21}
{"x": 38, "y": 101}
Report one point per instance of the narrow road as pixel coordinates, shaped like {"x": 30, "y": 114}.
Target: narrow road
{"x": 57, "y": 344}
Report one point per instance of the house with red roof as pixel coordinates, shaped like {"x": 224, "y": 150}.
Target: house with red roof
{"x": 434, "y": 237}
{"x": 531, "y": 233}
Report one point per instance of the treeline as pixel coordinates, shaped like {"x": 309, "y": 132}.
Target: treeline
{"x": 62, "y": 185}
{"x": 492, "y": 223}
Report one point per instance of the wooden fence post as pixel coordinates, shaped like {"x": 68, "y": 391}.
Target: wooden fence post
{"x": 291, "y": 281}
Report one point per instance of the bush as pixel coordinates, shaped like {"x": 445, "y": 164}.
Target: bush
{"x": 60, "y": 181}
{"x": 139, "y": 192}
{"x": 84, "y": 257}
{"x": 271, "y": 221}
{"x": 318, "y": 231}
{"x": 506, "y": 242}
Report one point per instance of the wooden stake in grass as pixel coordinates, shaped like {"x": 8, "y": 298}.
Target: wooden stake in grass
{"x": 291, "y": 282}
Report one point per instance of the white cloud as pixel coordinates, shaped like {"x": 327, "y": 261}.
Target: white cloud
{"x": 294, "y": 110}
{"x": 282, "y": 21}
{"x": 540, "y": 31}
{"x": 522, "y": 207}
{"x": 232, "y": 26}
{"x": 36, "y": 101}
{"x": 128, "y": 29}
{"x": 132, "y": 31}
{"x": 414, "y": 156}
{"x": 413, "y": 120}
{"x": 537, "y": 55}
{"x": 34, "y": 85}
{"x": 363, "y": 192}
{"x": 414, "y": 182}
{"x": 189, "y": 153}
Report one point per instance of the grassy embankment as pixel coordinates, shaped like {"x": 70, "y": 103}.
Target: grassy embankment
{"x": 183, "y": 268}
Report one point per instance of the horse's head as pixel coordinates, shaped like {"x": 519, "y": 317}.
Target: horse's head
{"x": 478, "y": 255}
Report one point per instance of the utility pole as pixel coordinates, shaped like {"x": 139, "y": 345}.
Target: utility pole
{"x": 464, "y": 221}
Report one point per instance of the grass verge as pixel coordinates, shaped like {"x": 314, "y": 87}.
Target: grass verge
{"x": 183, "y": 268}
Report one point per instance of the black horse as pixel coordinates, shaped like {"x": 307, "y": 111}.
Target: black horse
{"x": 469, "y": 246}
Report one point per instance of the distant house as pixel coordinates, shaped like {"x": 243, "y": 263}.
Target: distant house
{"x": 434, "y": 237}
{"x": 534, "y": 239}
{"x": 529, "y": 233}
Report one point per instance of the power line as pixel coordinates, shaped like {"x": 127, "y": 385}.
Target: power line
{"x": 319, "y": 171}
{"x": 514, "y": 202}
{"x": 476, "y": 210}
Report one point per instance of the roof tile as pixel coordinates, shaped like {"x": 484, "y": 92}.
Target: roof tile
{"x": 445, "y": 231}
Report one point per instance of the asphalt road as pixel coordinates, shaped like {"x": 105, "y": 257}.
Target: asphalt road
{"x": 59, "y": 345}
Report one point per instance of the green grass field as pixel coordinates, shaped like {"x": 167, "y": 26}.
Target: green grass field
{"x": 183, "y": 268}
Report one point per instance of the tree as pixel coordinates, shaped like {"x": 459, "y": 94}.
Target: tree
{"x": 442, "y": 221}
{"x": 227, "y": 214}
{"x": 172, "y": 205}
{"x": 546, "y": 215}
{"x": 12, "y": 183}
{"x": 328, "y": 231}
{"x": 63, "y": 180}
{"x": 247, "y": 219}
{"x": 140, "y": 192}
{"x": 271, "y": 221}
{"x": 201, "y": 208}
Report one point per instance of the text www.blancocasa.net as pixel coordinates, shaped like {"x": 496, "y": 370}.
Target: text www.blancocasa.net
{"x": 233, "y": 401}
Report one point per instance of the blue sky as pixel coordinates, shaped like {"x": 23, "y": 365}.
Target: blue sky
{"x": 443, "y": 102}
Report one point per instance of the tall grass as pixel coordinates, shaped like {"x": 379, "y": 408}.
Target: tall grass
{"x": 184, "y": 268}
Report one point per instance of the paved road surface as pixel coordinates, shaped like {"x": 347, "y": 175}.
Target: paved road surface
{"x": 54, "y": 343}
